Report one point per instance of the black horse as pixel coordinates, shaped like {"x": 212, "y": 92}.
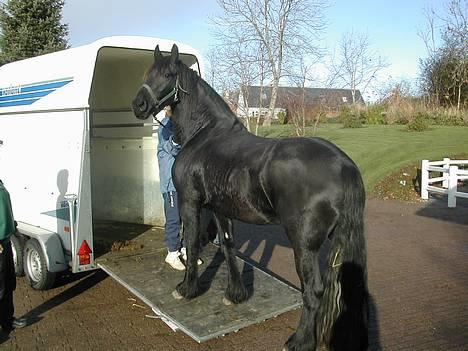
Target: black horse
{"x": 307, "y": 185}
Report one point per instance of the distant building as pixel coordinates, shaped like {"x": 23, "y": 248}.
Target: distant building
{"x": 292, "y": 97}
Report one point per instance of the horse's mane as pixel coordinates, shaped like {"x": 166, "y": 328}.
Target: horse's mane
{"x": 203, "y": 100}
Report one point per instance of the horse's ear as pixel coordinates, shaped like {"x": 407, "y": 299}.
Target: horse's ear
{"x": 174, "y": 54}
{"x": 157, "y": 53}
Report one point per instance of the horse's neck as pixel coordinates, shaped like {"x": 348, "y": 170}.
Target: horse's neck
{"x": 203, "y": 107}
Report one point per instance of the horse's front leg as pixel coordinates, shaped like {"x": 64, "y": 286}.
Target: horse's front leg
{"x": 235, "y": 291}
{"x": 190, "y": 215}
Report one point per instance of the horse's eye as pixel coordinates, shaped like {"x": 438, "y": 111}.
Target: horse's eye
{"x": 167, "y": 75}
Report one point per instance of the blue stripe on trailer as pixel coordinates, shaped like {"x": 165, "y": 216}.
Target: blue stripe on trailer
{"x": 30, "y": 93}
{"x": 51, "y": 85}
{"x": 23, "y": 96}
{"x": 18, "y": 102}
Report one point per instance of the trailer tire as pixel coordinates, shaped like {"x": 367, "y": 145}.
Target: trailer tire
{"x": 35, "y": 266}
{"x": 17, "y": 246}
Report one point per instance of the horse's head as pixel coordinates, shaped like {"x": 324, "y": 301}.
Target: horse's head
{"x": 161, "y": 86}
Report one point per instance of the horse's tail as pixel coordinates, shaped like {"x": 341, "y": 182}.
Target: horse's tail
{"x": 343, "y": 312}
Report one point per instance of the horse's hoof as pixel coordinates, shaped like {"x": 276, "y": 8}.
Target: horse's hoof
{"x": 176, "y": 295}
{"x": 227, "y": 302}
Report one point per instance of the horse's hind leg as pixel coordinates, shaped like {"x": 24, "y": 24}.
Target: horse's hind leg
{"x": 235, "y": 291}
{"x": 307, "y": 238}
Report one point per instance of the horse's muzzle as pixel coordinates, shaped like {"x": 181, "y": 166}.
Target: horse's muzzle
{"x": 141, "y": 106}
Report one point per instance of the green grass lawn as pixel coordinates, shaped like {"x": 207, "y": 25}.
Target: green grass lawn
{"x": 380, "y": 150}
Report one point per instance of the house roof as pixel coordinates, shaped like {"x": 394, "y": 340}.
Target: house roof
{"x": 313, "y": 96}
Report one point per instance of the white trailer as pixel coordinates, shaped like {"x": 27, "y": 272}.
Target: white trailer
{"x": 72, "y": 153}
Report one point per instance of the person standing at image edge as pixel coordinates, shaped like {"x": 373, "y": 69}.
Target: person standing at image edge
{"x": 7, "y": 267}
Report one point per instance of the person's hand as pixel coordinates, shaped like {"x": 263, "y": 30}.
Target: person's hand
{"x": 173, "y": 140}
{"x": 1, "y": 248}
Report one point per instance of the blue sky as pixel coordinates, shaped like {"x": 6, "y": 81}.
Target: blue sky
{"x": 391, "y": 25}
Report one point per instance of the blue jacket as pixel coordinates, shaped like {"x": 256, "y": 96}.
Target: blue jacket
{"x": 167, "y": 151}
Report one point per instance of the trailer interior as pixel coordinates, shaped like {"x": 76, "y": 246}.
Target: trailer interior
{"x": 124, "y": 170}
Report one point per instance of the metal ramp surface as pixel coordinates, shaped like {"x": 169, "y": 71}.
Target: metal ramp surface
{"x": 141, "y": 269}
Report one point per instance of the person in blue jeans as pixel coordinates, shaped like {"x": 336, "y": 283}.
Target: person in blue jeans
{"x": 167, "y": 151}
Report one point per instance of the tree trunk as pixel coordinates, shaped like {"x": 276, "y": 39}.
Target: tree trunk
{"x": 459, "y": 97}
{"x": 245, "y": 98}
{"x": 271, "y": 110}
{"x": 260, "y": 104}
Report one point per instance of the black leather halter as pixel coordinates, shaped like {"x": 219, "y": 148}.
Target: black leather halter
{"x": 156, "y": 104}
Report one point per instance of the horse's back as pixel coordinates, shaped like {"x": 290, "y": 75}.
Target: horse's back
{"x": 308, "y": 171}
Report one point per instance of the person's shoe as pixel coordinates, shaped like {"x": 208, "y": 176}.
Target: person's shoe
{"x": 183, "y": 252}
{"x": 174, "y": 261}
{"x": 19, "y": 323}
{"x": 15, "y": 324}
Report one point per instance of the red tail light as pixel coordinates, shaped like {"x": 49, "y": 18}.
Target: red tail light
{"x": 83, "y": 253}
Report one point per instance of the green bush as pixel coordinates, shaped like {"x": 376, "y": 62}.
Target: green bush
{"x": 449, "y": 117}
{"x": 350, "y": 117}
{"x": 333, "y": 119}
{"x": 282, "y": 117}
{"x": 375, "y": 114}
{"x": 418, "y": 124}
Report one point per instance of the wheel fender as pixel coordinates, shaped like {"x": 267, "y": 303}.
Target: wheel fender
{"x": 52, "y": 247}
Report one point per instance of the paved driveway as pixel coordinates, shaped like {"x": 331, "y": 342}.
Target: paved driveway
{"x": 418, "y": 280}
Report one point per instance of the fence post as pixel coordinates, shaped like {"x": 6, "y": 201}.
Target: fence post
{"x": 452, "y": 186}
{"x": 424, "y": 179}
{"x": 445, "y": 183}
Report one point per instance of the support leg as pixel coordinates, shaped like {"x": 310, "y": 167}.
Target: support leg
{"x": 312, "y": 289}
{"x": 235, "y": 291}
{"x": 307, "y": 236}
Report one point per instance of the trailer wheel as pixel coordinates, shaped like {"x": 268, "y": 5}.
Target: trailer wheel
{"x": 35, "y": 266}
{"x": 17, "y": 246}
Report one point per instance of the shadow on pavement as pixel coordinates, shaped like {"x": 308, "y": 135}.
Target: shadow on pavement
{"x": 256, "y": 235}
{"x": 4, "y": 337}
{"x": 374, "y": 326}
{"x": 88, "y": 282}
{"x": 437, "y": 208}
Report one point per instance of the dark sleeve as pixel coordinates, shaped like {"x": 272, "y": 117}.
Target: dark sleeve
{"x": 7, "y": 223}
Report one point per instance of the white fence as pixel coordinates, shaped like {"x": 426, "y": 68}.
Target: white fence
{"x": 449, "y": 175}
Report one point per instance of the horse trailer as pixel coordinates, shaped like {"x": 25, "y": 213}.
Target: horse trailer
{"x": 72, "y": 152}
{"x": 83, "y": 177}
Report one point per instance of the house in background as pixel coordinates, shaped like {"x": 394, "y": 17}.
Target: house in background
{"x": 290, "y": 98}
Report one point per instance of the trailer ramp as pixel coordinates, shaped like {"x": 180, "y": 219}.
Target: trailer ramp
{"x": 141, "y": 269}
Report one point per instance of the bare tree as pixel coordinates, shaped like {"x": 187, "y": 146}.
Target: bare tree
{"x": 356, "y": 65}
{"x": 430, "y": 83}
{"x": 240, "y": 68}
{"x": 444, "y": 73}
{"x": 456, "y": 46}
{"x": 297, "y": 102}
{"x": 213, "y": 75}
{"x": 282, "y": 28}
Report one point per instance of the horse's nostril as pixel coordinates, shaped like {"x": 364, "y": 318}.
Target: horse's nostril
{"x": 142, "y": 105}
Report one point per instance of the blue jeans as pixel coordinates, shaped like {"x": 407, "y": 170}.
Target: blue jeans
{"x": 172, "y": 227}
